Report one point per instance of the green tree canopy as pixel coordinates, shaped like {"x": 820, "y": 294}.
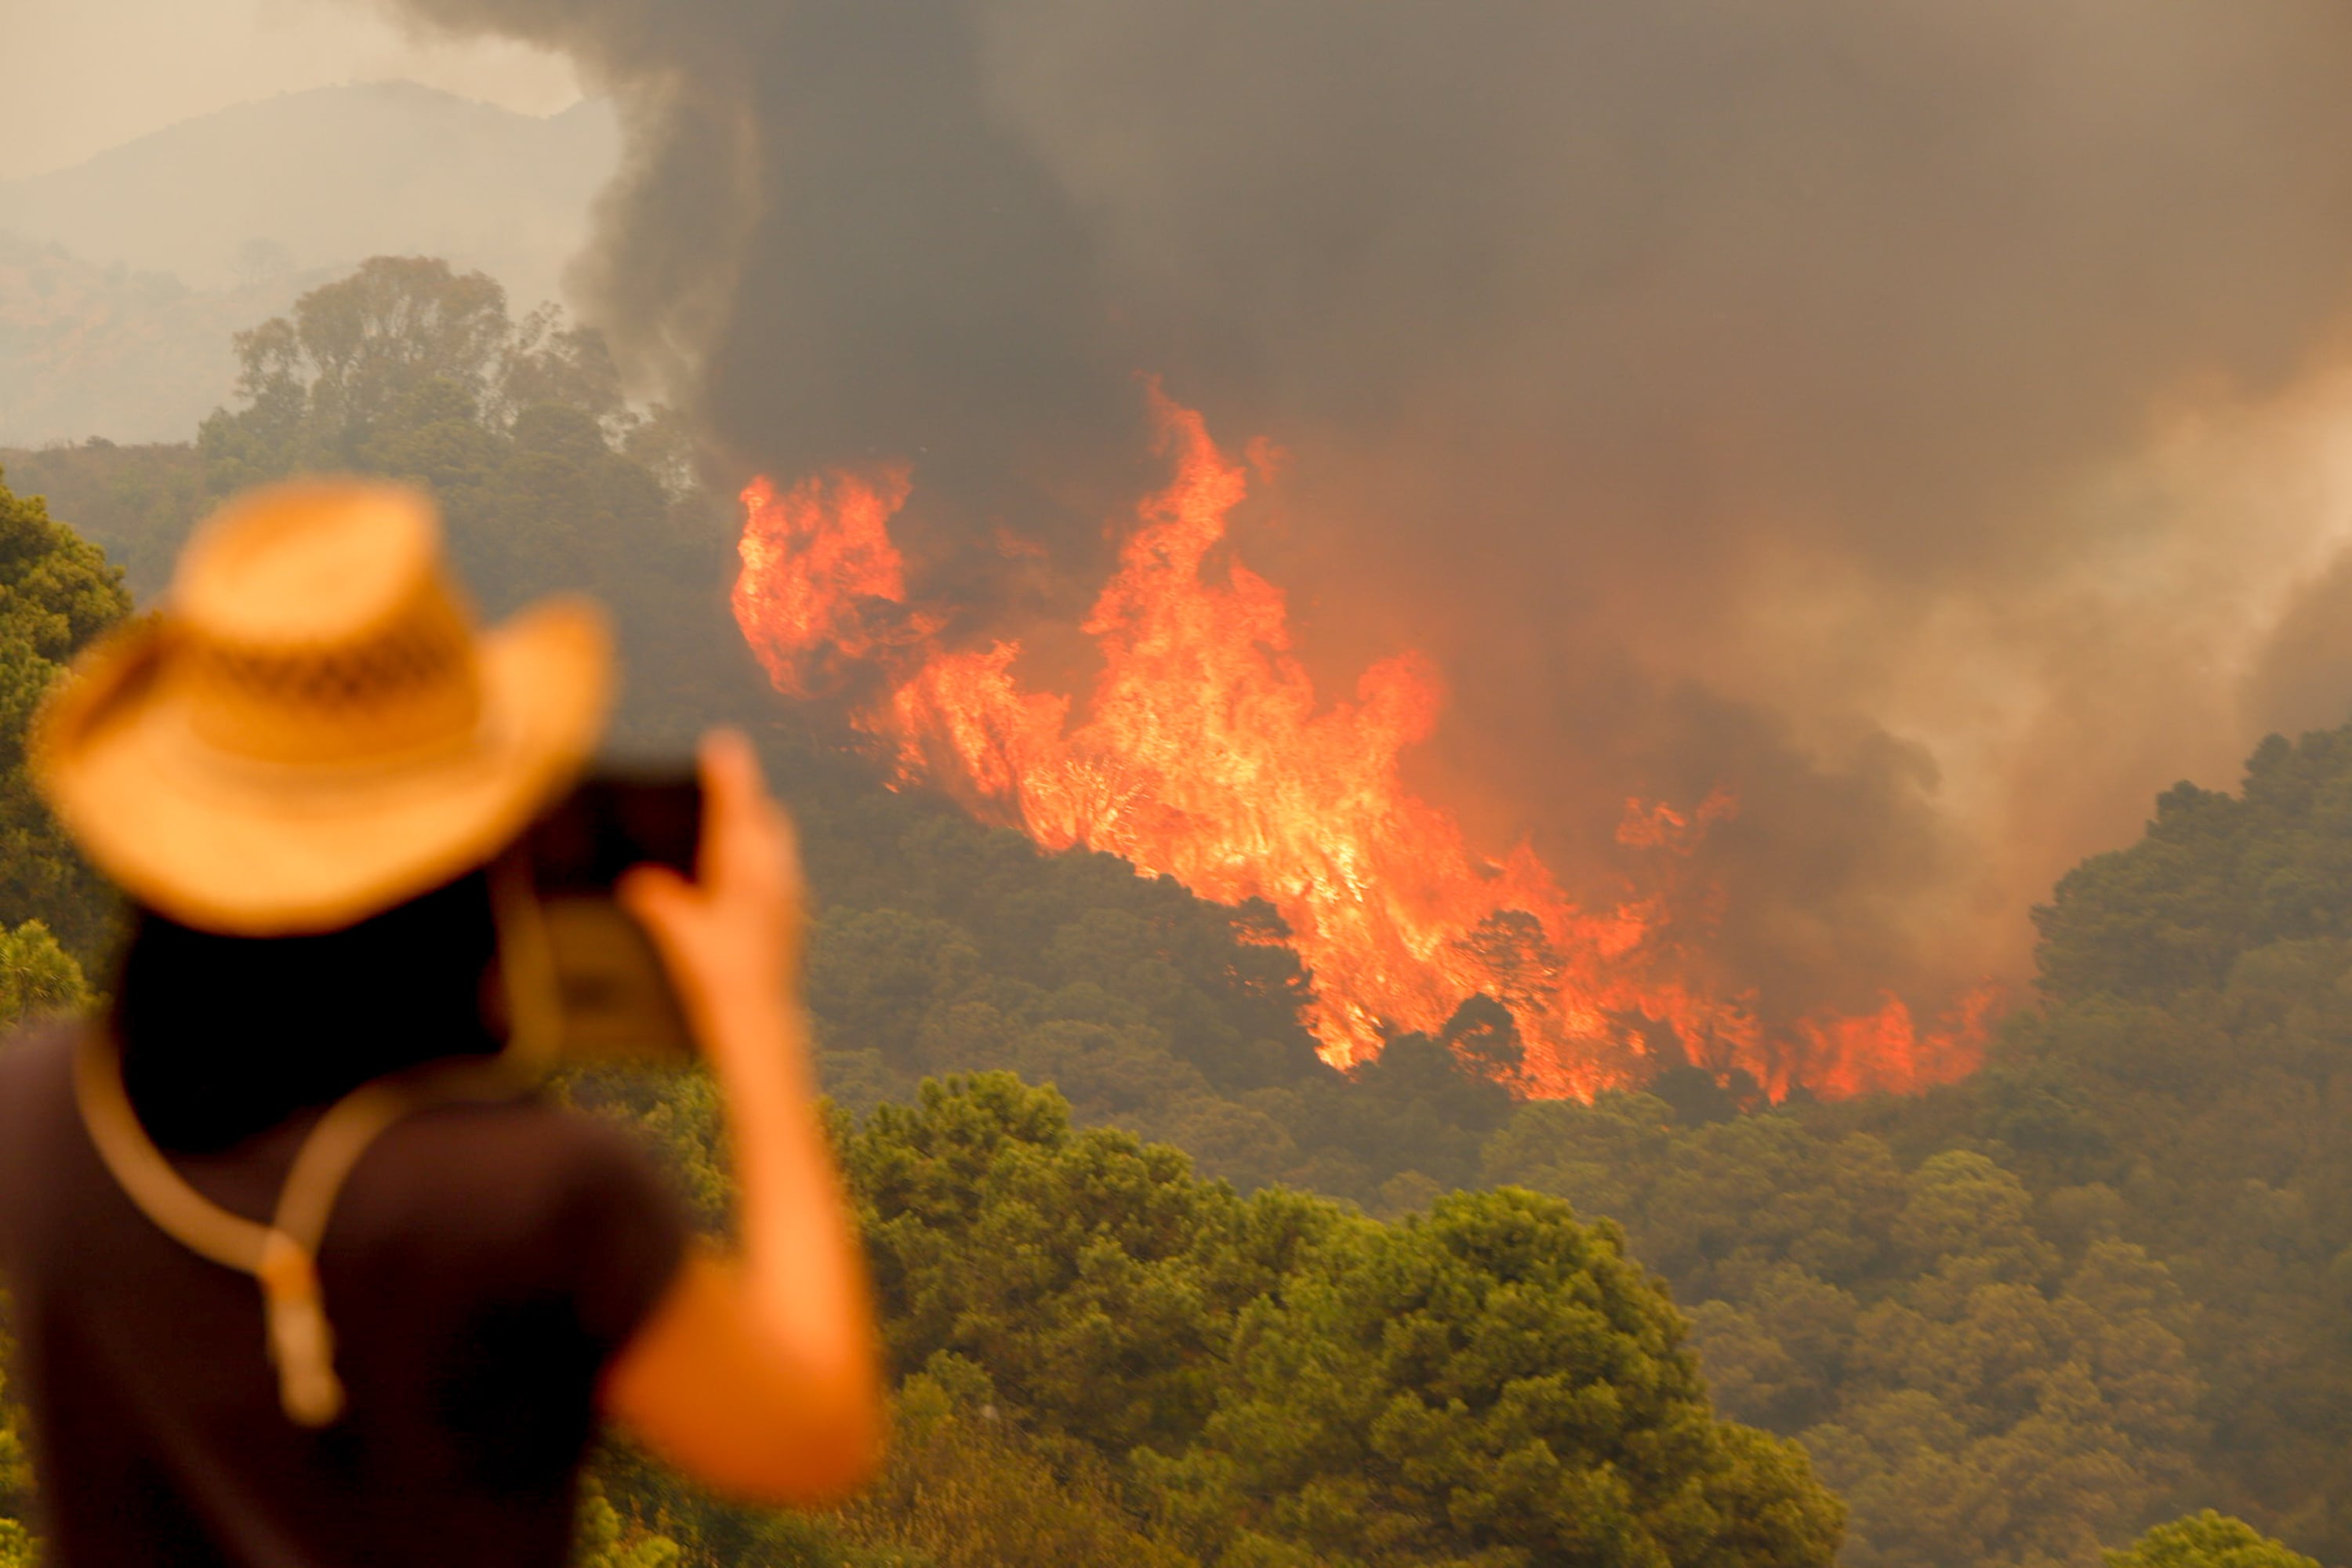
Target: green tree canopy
{"x": 56, "y": 594}
{"x": 406, "y": 352}
{"x": 1495, "y": 1383}
{"x": 37, "y": 975}
{"x": 548, "y": 478}
{"x": 1110, "y": 1359}
{"x": 1498, "y": 1384}
{"x": 2215, "y": 875}
{"x": 1979, "y": 1392}
{"x": 1092, "y": 1276}
{"x": 15, "y": 1463}
{"x": 2207, "y": 1540}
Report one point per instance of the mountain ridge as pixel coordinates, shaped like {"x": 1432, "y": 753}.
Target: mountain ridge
{"x": 328, "y": 176}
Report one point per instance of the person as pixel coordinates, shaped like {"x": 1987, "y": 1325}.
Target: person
{"x": 300, "y": 1275}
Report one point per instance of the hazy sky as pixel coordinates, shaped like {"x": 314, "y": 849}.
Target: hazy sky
{"x": 85, "y": 75}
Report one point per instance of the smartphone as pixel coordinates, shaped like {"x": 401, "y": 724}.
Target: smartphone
{"x": 614, "y": 997}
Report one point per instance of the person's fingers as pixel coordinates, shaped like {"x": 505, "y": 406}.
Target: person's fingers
{"x": 742, "y": 756}
{"x": 737, "y": 813}
{"x": 660, "y": 900}
{"x": 730, "y": 773}
{"x": 748, "y": 838}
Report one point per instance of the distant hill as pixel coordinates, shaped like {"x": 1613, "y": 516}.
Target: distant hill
{"x": 325, "y": 178}
{"x": 87, "y": 350}
{"x": 122, "y": 278}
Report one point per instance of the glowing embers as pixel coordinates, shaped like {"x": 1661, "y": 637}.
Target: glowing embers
{"x": 1202, "y": 753}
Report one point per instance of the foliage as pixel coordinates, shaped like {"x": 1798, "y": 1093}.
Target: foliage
{"x": 2207, "y": 1540}
{"x": 603, "y": 1540}
{"x": 2130, "y": 1295}
{"x": 1495, "y": 1383}
{"x": 1110, "y": 1359}
{"x": 56, "y": 593}
{"x": 548, "y": 479}
{"x": 15, "y": 1466}
{"x": 967, "y": 1488}
{"x": 946, "y": 947}
{"x": 629, "y": 1503}
{"x": 2215, "y": 878}
{"x": 37, "y": 975}
{"x": 15, "y": 1463}
{"x": 1977, "y": 1393}
{"x": 134, "y": 502}
{"x": 1092, "y": 1276}
{"x": 2185, "y": 1087}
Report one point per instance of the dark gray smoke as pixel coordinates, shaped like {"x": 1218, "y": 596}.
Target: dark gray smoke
{"x": 1869, "y": 406}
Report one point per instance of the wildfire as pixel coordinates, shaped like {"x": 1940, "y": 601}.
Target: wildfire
{"x": 1204, "y": 753}
{"x": 817, "y": 564}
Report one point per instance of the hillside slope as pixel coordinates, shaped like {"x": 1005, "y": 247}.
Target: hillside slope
{"x": 87, "y": 350}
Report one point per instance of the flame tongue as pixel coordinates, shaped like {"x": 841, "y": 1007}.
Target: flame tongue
{"x": 817, "y": 563}
{"x": 1203, "y": 754}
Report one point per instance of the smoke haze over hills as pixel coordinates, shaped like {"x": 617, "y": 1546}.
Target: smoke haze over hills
{"x": 327, "y": 178}
{"x": 1916, "y": 419}
{"x": 124, "y": 279}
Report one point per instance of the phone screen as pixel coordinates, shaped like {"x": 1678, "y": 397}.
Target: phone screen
{"x": 614, "y": 994}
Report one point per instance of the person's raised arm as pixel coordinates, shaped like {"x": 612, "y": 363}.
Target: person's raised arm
{"x": 758, "y": 1377}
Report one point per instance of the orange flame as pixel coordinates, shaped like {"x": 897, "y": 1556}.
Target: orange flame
{"x": 1203, "y": 753}
{"x": 817, "y": 563}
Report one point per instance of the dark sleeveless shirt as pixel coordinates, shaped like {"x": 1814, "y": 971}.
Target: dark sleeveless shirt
{"x": 483, "y": 1266}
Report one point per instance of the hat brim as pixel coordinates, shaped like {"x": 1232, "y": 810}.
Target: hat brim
{"x": 258, "y": 851}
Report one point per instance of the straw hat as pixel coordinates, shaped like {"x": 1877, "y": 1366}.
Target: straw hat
{"x": 310, "y": 729}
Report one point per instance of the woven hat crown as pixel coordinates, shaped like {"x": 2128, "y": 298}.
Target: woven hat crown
{"x": 314, "y": 625}
{"x": 310, "y": 729}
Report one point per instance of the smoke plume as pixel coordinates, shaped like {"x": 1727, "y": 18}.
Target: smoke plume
{"x": 1927, "y": 421}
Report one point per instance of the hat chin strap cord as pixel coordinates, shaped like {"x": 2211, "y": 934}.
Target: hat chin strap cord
{"x": 283, "y": 1254}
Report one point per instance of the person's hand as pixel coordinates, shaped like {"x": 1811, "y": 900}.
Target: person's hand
{"x": 732, "y": 938}
{"x": 760, "y": 1378}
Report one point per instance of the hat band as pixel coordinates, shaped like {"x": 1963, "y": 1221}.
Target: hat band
{"x": 485, "y": 740}
{"x": 410, "y": 683}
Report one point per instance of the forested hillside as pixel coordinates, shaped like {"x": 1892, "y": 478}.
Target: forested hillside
{"x": 1205, "y": 1301}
